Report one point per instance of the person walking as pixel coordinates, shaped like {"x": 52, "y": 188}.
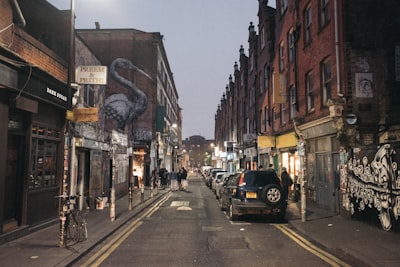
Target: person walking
{"x": 179, "y": 178}
{"x": 183, "y": 178}
{"x": 174, "y": 180}
{"x": 286, "y": 183}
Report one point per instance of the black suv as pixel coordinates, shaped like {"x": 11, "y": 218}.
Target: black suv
{"x": 258, "y": 193}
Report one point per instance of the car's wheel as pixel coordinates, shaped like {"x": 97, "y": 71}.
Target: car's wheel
{"x": 271, "y": 194}
{"x": 232, "y": 215}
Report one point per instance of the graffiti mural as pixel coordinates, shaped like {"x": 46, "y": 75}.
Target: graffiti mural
{"x": 376, "y": 185}
{"x": 118, "y": 106}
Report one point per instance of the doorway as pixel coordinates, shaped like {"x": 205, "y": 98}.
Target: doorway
{"x": 14, "y": 182}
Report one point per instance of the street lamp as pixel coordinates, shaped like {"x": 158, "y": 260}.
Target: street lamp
{"x": 68, "y": 174}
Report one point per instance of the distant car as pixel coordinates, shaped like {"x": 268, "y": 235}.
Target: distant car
{"x": 257, "y": 193}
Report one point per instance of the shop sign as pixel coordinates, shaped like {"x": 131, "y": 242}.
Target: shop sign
{"x": 91, "y": 75}
{"x": 86, "y": 114}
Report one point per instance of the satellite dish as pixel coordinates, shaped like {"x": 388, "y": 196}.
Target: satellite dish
{"x": 351, "y": 118}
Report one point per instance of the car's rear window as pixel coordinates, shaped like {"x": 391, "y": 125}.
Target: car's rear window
{"x": 234, "y": 179}
{"x": 260, "y": 178}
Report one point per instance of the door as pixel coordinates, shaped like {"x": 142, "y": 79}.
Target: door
{"x": 324, "y": 181}
{"x": 14, "y": 182}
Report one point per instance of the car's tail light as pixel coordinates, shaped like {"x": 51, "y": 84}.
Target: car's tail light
{"x": 241, "y": 180}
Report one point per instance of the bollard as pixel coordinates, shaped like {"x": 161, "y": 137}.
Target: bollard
{"x": 130, "y": 198}
{"x": 142, "y": 194}
{"x": 63, "y": 226}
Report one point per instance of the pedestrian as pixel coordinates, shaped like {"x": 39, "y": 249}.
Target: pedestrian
{"x": 154, "y": 178}
{"x": 183, "y": 178}
{"x": 179, "y": 178}
{"x": 286, "y": 183}
{"x": 174, "y": 180}
{"x": 271, "y": 167}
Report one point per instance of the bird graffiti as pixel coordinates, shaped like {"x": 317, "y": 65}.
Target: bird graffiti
{"x": 118, "y": 106}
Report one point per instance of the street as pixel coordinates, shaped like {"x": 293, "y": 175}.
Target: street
{"x": 187, "y": 228}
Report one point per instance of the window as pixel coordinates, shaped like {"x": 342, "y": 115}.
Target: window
{"x": 307, "y": 25}
{"x": 252, "y": 96}
{"x": 261, "y": 88}
{"x": 283, "y": 114}
{"x": 310, "y": 93}
{"x": 89, "y": 96}
{"x": 290, "y": 40}
{"x": 326, "y": 81}
{"x": 262, "y": 38}
{"x": 266, "y": 77}
{"x": 43, "y": 169}
{"x": 292, "y": 92}
{"x": 251, "y": 61}
{"x": 266, "y": 113}
{"x": 284, "y": 6}
{"x": 324, "y": 13}
{"x": 281, "y": 57}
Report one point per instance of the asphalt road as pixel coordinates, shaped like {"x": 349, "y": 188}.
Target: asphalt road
{"x": 187, "y": 228}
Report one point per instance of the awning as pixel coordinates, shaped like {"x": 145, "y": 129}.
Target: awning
{"x": 286, "y": 140}
{"x": 265, "y": 141}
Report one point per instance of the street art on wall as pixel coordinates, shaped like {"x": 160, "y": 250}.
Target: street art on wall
{"x": 376, "y": 185}
{"x": 119, "y": 106}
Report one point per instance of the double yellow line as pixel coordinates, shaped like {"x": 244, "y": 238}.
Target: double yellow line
{"x": 111, "y": 246}
{"x": 302, "y": 242}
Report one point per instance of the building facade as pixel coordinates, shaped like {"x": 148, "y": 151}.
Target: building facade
{"x": 33, "y": 102}
{"x": 141, "y": 100}
{"x": 320, "y": 101}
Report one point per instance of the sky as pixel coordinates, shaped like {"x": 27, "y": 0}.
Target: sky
{"x": 202, "y": 39}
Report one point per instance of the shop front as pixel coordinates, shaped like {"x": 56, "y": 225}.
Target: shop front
{"x": 32, "y": 120}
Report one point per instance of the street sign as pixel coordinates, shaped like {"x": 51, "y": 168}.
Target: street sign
{"x": 91, "y": 75}
{"x": 86, "y": 114}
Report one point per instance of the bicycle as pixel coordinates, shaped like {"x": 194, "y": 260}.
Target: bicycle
{"x": 76, "y": 225}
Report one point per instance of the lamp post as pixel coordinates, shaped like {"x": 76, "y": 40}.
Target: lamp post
{"x": 69, "y": 156}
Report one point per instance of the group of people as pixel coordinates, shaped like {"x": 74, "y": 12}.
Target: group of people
{"x": 173, "y": 178}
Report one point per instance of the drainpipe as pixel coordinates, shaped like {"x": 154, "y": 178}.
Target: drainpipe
{"x": 21, "y": 18}
{"x": 339, "y": 93}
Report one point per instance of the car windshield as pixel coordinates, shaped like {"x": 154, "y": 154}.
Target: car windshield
{"x": 260, "y": 178}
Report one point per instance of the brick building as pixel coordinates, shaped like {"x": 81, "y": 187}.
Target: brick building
{"x": 141, "y": 79}
{"x": 323, "y": 76}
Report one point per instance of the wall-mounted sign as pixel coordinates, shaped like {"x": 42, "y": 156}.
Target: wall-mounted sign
{"x": 91, "y": 75}
{"x": 86, "y": 114}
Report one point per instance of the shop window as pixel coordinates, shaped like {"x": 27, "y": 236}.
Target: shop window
{"x": 43, "y": 167}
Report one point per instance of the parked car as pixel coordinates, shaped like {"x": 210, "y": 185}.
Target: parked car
{"x": 212, "y": 176}
{"x": 217, "y": 179}
{"x": 228, "y": 189}
{"x": 208, "y": 176}
{"x": 258, "y": 193}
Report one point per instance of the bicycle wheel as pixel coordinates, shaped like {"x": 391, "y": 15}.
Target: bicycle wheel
{"x": 82, "y": 227}
{"x": 72, "y": 228}
{"x": 84, "y": 232}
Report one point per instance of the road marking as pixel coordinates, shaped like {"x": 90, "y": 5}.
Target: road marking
{"x": 307, "y": 245}
{"x": 110, "y": 247}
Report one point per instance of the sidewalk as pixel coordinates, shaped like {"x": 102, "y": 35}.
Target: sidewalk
{"x": 40, "y": 249}
{"x": 360, "y": 241}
